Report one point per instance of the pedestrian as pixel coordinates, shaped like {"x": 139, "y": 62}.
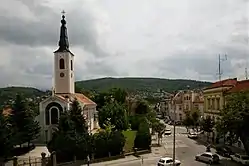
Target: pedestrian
{"x": 88, "y": 160}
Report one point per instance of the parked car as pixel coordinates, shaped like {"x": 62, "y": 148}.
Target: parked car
{"x": 243, "y": 159}
{"x": 192, "y": 135}
{"x": 208, "y": 157}
{"x": 224, "y": 151}
{"x": 167, "y": 132}
{"x": 167, "y": 161}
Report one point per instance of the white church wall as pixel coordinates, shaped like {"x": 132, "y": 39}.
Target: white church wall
{"x": 46, "y": 130}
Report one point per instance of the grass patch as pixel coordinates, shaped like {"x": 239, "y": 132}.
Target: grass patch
{"x": 130, "y": 137}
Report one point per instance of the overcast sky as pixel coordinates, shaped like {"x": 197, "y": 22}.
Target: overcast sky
{"x": 148, "y": 38}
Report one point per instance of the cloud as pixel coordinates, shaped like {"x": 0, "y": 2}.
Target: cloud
{"x": 168, "y": 39}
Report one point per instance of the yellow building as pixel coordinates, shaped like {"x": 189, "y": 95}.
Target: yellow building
{"x": 214, "y": 97}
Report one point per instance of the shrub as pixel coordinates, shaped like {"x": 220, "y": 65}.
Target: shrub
{"x": 143, "y": 137}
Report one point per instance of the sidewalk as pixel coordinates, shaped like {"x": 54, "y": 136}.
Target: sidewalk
{"x": 112, "y": 162}
{"x": 203, "y": 140}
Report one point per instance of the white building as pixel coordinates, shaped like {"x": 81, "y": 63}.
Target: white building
{"x": 63, "y": 92}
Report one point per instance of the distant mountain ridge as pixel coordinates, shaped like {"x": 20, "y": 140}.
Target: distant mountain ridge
{"x": 141, "y": 84}
{"x": 135, "y": 84}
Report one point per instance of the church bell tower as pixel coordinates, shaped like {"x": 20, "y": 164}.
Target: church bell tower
{"x": 63, "y": 63}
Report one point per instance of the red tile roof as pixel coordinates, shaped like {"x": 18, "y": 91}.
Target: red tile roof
{"x": 240, "y": 86}
{"x": 80, "y": 97}
{"x": 227, "y": 82}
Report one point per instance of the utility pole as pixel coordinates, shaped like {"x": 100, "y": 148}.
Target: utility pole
{"x": 174, "y": 134}
{"x": 220, "y": 73}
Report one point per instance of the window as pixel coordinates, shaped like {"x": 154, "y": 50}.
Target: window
{"x": 218, "y": 103}
{"x": 169, "y": 161}
{"x": 62, "y": 64}
{"x": 209, "y": 104}
{"x": 72, "y": 65}
{"x": 54, "y": 116}
{"x": 213, "y": 104}
{"x": 47, "y": 117}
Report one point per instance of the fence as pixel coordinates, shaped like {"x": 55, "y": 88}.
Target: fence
{"x": 36, "y": 161}
{"x": 51, "y": 160}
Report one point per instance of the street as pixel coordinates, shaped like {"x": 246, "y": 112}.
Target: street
{"x": 186, "y": 150}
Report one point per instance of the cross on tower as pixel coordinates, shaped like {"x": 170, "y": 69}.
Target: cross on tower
{"x": 63, "y": 12}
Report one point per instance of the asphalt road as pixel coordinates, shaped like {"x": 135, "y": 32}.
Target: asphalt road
{"x": 186, "y": 150}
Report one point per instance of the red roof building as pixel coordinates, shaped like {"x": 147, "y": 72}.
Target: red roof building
{"x": 240, "y": 86}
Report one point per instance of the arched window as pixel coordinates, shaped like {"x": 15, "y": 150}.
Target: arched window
{"x": 47, "y": 117}
{"x": 54, "y": 116}
{"x": 62, "y": 64}
{"x": 72, "y": 65}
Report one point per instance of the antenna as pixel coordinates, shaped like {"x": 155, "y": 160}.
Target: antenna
{"x": 246, "y": 74}
{"x": 221, "y": 60}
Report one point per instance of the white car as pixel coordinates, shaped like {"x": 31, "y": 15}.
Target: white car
{"x": 208, "y": 157}
{"x": 243, "y": 159}
{"x": 167, "y": 132}
{"x": 168, "y": 161}
{"x": 192, "y": 135}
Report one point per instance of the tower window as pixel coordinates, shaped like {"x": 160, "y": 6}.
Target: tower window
{"x": 62, "y": 64}
{"x": 72, "y": 65}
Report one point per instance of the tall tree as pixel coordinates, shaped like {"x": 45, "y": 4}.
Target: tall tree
{"x": 119, "y": 95}
{"x": 117, "y": 115}
{"x": 207, "y": 125}
{"x": 159, "y": 127}
{"x": 26, "y": 128}
{"x": 72, "y": 133}
{"x": 77, "y": 117}
{"x": 142, "y": 107}
{"x": 6, "y": 133}
{"x": 188, "y": 121}
{"x": 235, "y": 117}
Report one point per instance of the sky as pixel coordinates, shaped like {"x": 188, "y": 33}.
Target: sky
{"x": 118, "y": 38}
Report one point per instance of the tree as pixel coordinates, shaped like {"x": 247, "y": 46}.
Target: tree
{"x": 26, "y": 128}
{"x": 6, "y": 133}
{"x": 235, "y": 117}
{"x": 117, "y": 115}
{"x": 143, "y": 137}
{"x": 119, "y": 95}
{"x": 188, "y": 121}
{"x": 72, "y": 133}
{"x": 195, "y": 114}
{"x": 79, "y": 123}
{"x": 159, "y": 127}
{"x": 207, "y": 125}
{"x": 192, "y": 119}
{"x": 102, "y": 99}
{"x": 142, "y": 107}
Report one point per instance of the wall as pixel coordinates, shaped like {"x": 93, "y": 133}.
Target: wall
{"x": 41, "y": 119}
{"x": 63, "y": 84}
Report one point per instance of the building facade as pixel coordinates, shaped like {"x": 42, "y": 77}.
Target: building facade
{"x": 214, "y": 97}
{"x": 185, "y": 101}
{"x": 63, "y": 93}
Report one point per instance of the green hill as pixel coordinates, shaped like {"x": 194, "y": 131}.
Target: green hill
{"x": 140, "y": 84}
{"x": 130, "y": 84}
{"x": 9, "y": 93}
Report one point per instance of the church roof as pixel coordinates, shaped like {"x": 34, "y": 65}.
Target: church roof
{"x": 63, "y": 42}
{"x": 80, "y": 97}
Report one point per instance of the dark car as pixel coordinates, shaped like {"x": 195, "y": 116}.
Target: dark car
{"x": 224, "y": 151}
